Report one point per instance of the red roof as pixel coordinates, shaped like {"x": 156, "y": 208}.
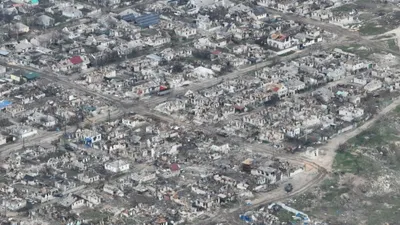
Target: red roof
{"x": 174, "y": 167}
{"x": 282, "y": 38}
{"x": 162, "y": 88}
{"x": 76, "y": 60}
{"x": 238, "y": 107}
{"x": 216, "y": 52}
{"x": 275, "y": 89}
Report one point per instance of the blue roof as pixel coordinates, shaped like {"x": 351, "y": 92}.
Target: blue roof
{"x": 147, "y": 20}
{"x": 4, "y": 104}
{"x": 128, "y": 18}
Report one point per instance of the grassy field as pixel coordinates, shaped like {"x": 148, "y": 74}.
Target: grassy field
{"x": 392, "y": 44}
{"x": 346, "y": 8}
{"x": 364, "y": 187}
{"x": 362, "y": 51}
{"x": 372, "y": 29}
{"x": 285, "y": 216}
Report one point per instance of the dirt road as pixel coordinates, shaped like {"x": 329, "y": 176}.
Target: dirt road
{"x": 333, "y": 144}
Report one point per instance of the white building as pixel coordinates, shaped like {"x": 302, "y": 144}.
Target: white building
{"x": 221, "y": 148}
{"x": 185, "y": 32}
{"x": 88, "y": 135}
{"x": 158, "y": 41}
{"x": 343, "y": 21}
{"x": 349, "y": 113}
{"x": 197, "y": 4}
{"x": 281, "y": 42}
{"x": 360, "y": 81}
{"x": 259, "y": 13}
{"x": 266, "y": 3}
{"x": 88, "y": 177}
{"x": 143, "y": 177}
{"x": 2, "y": 140}
{"x": 14, "y": 204}
{"x": 373, "y": 86}
{"x": 25, "y": 132}
{"x": 21, "y": 28}
{"x": 3, "y": 70}
{"x": 44, "y": 120}
{"x": 72, "y": 13}
{"x": 202, "y": 72}
{"x": 268, "y": 172}
{"x": 296, "y": 85}
{"x": 203, "y": 22}
{"x": 117, "y": 166}
{"x": 134, "y": 121}
{"x": 112, "y": 190}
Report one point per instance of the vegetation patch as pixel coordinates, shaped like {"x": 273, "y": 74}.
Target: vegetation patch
{"x": 346, "y": 8}
{"x": 392, "y": 44}
{"x": 372, "y": 29}
{"x": 284, "y": 216}
{"x": 355, "y": 163}
{"x": 360, "y": 50}
{"x": 381, "y": 133}
{"x": 364, "y": 186}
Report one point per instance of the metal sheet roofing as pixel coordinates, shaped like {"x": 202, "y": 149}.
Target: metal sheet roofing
{"x": 76, "y": 60}
{"x": 128, "y": 18}
{"x": 147, "y": 20}
{"x": 4, "y": 52}
{"x": 31, "y": 75}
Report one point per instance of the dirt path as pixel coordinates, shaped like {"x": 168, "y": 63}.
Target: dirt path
{"x": 396, "y": 36}
{"x": 330, "y": 148}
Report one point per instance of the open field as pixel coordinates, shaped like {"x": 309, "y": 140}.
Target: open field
{"x": 364, "y": 185}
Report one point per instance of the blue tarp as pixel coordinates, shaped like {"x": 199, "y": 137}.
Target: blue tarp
{"x": 88, "y": 142}
{"x": 4, "y": 104}
{"x": 245, "y": 218}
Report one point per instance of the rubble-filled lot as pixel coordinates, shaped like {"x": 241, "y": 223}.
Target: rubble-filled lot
{"x": 323, "y": 94}
{"x": 140, "y": 171}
